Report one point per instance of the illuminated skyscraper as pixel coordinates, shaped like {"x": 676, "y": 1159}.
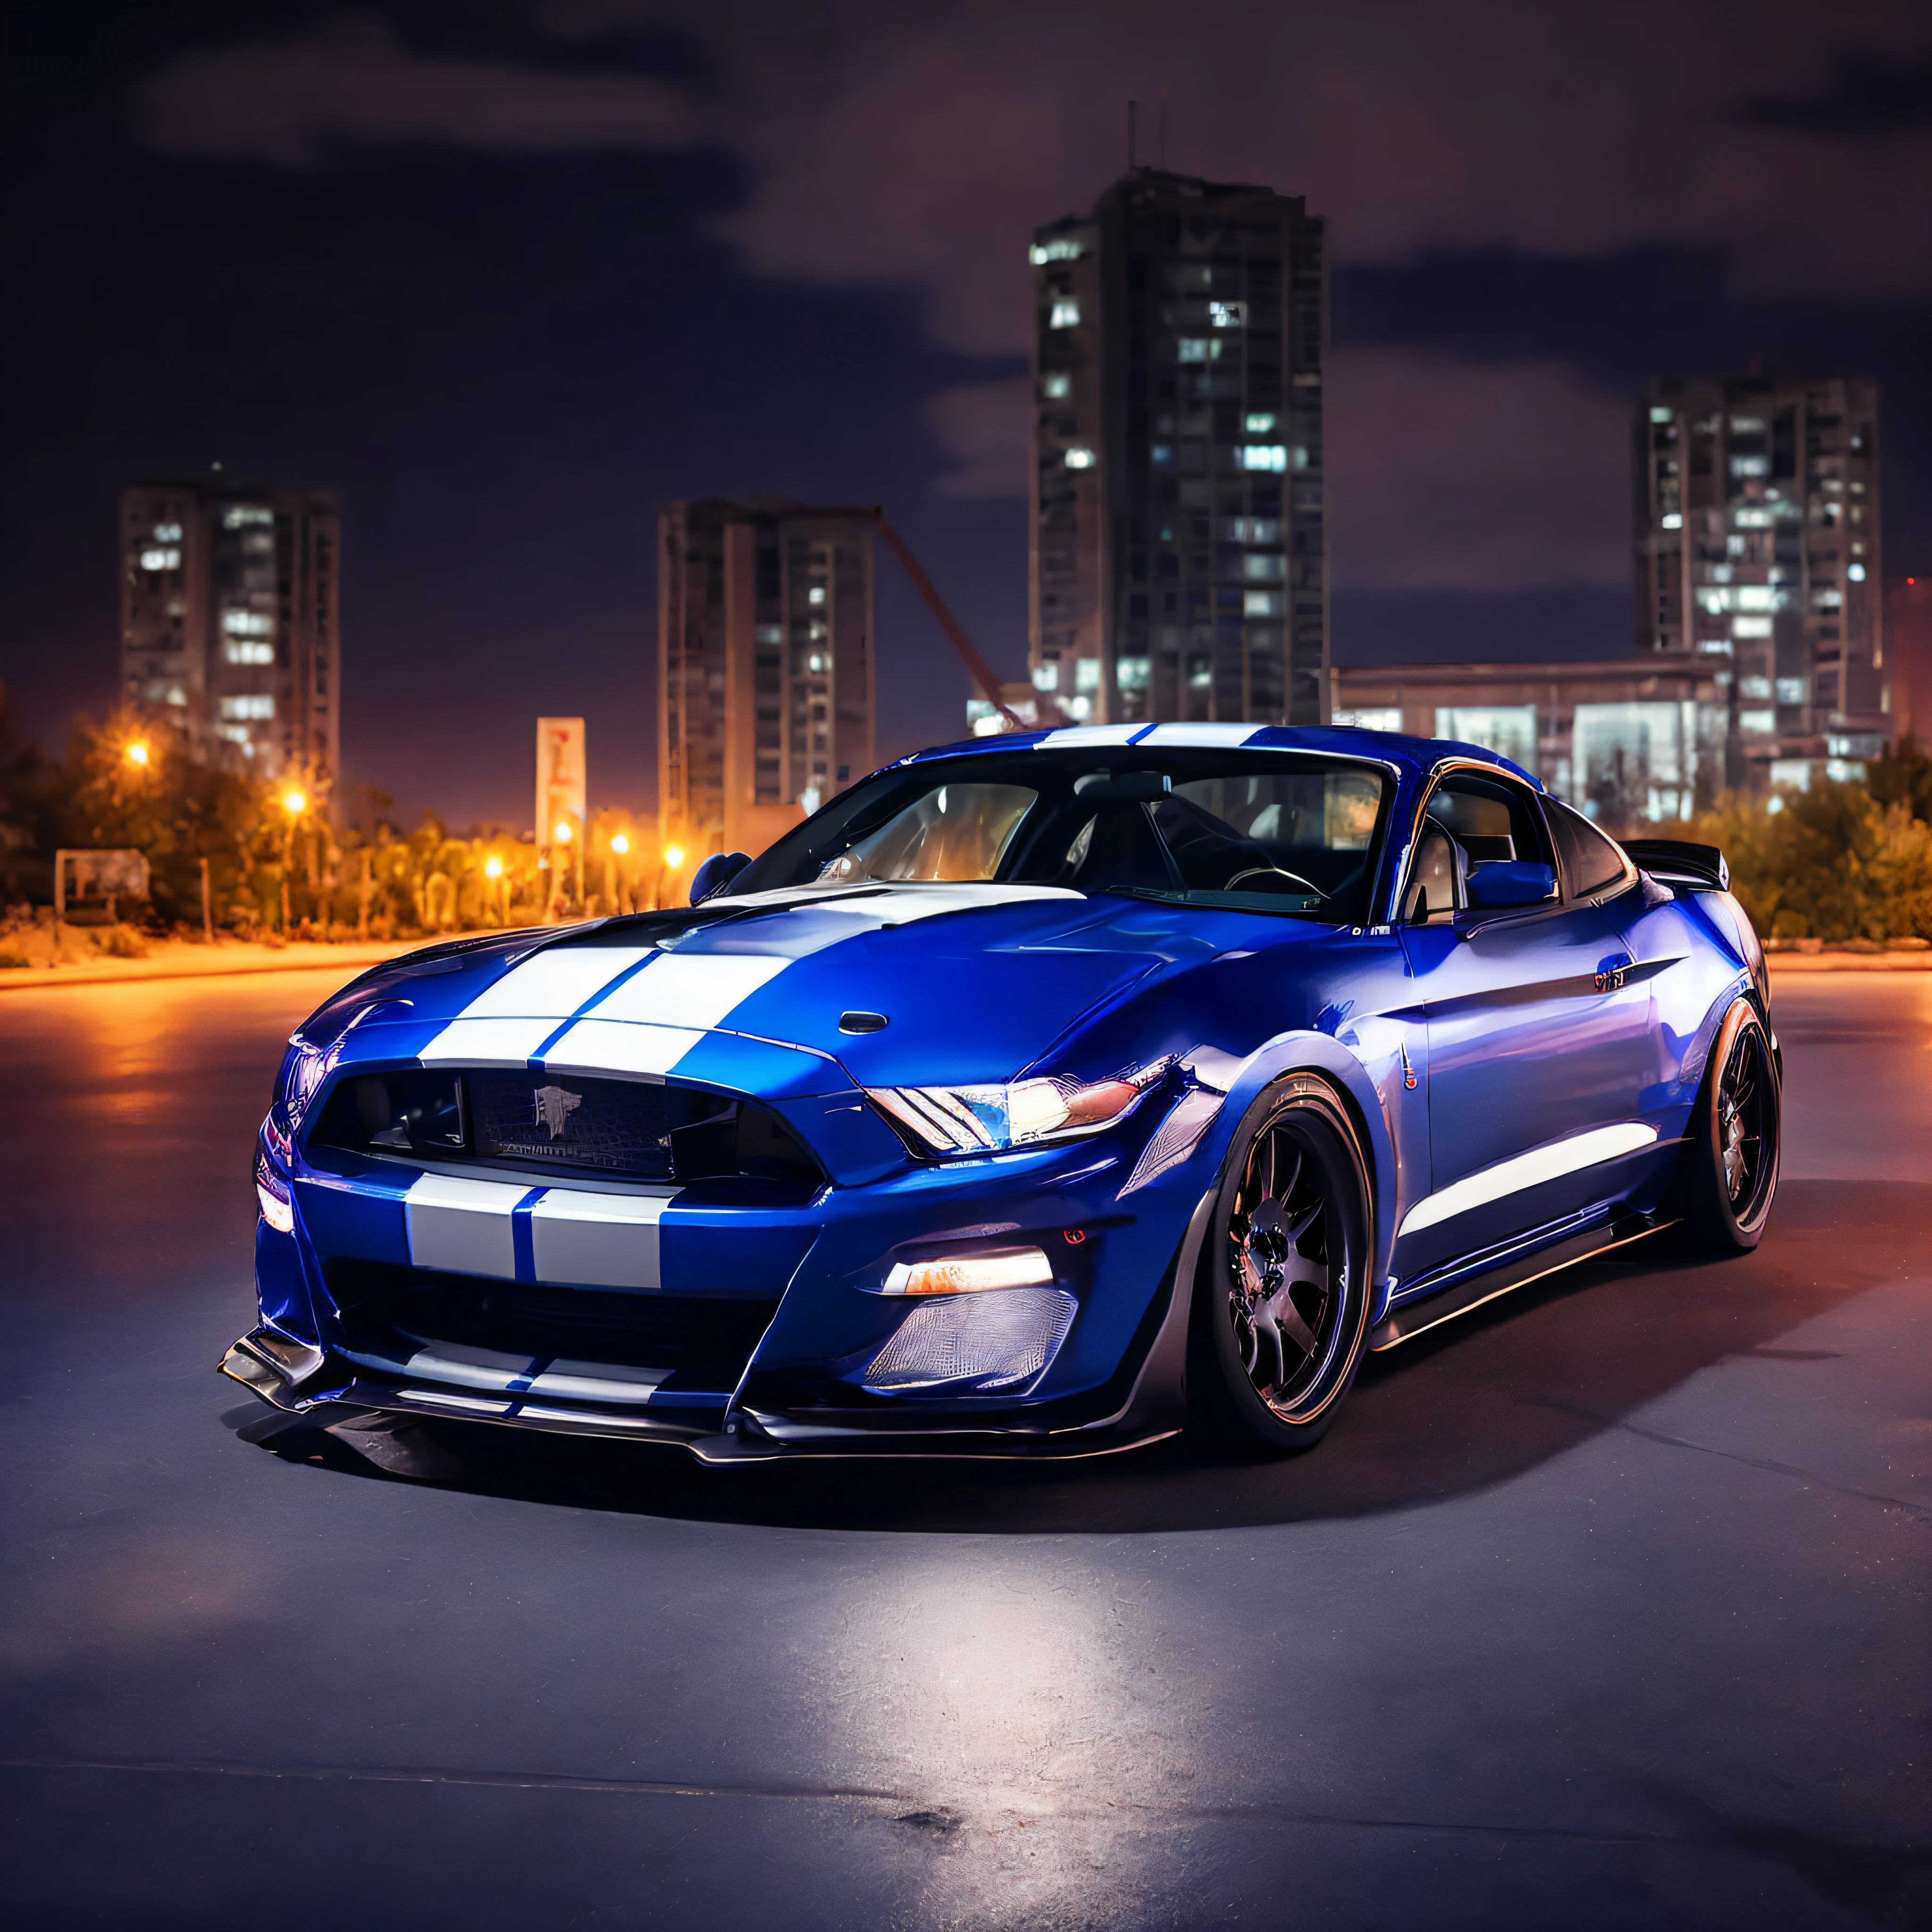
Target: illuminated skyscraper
{"x": 1179, "y": 558}
{"x": 1756, "y": 533}
{"x": 765, "y": 665}
{"x": 230, "y": 603}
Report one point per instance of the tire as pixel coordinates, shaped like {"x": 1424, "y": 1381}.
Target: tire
{"x": 1731, "y": 1164}
{"x": 1281, "y": 1300}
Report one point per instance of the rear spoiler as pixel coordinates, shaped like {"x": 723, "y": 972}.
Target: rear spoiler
{"x": 1677, "y": 862}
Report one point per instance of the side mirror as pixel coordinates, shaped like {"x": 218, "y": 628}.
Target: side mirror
{"x": 719, "y": 870}
{"x": 1500, "y": 883}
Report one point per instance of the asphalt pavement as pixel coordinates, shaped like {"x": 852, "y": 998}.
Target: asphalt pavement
{"x": 1606, "y": 1607}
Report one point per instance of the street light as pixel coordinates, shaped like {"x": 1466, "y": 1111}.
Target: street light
{"x": 492, "y": 867}
{"x": 295, "y": 803}
{"x": 493, "y": 871}
{"x": 620, "y": 844}
{"x": 615, "y": 850}
{"x": 674, "y": 856}
{"x": 136, "y": 753}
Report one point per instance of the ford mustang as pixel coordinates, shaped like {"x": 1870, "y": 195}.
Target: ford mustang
{"x": 1037, "y": 1097}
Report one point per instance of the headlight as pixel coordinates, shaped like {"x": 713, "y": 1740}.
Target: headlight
{"x": 272, "y": 1191}
{"x": 989, "y": 1120}
{"x": 303, "y": 1072}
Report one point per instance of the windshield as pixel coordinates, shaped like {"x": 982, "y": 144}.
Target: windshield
{"x": 1276, "y": 833}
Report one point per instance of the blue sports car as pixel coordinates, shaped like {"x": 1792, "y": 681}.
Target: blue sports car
{"x": 1038, "y": 1096}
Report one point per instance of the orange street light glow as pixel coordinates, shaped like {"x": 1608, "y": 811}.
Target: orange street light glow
{"x": 295, "y": 803}
{"x": 674, "y": 857}
{"x": 561, "y": 831}
{"x": 137, "y": 752}
{"x": 620, "y": 844}
{"x": 492, "y": 867}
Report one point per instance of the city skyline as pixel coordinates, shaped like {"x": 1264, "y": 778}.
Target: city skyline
{"x": 509, "y": 285}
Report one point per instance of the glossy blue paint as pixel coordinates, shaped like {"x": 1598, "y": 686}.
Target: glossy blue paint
{"x": 1458, "y": 1047}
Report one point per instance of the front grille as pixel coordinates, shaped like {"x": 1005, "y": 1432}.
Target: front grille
{"x": 639, "y": 1130}
{"x": 703, "y": 1341}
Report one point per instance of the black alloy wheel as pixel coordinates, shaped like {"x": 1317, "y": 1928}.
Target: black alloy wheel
{"x": 1281, "y": 1300}
{"x": 1735, "y": 1137}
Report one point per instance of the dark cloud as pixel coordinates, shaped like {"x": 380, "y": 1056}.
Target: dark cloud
{"x": 508, "y": 275}
{"x": 1873, "y": 97}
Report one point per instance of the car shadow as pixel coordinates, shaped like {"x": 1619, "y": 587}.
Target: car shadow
{"x": 1485, "y": 1398}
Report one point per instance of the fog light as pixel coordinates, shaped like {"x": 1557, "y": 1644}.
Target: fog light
{"x": 965, "y": 1274}
{"x": 987, "y": 1341}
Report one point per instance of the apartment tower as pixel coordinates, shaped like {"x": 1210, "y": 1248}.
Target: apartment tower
{"x": 1179, "y": 563}
{"x": 1757, "y": 535}
{"x": 765, "y": 665}
{"x": 230, "y": 615}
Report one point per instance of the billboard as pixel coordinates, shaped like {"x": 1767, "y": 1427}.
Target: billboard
{"x": 560, "y": 793}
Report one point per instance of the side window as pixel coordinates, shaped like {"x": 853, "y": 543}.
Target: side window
{"x": 1471, "y": 819}
{"x": 1591, "y": 863}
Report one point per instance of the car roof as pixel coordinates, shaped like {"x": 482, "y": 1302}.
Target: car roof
{"x": 1413, "y": 757}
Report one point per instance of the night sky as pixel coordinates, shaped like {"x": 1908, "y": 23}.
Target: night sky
{"x": 506, "y": 277}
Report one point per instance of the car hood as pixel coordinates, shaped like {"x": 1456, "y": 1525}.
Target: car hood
{"x": 973, "y": 982}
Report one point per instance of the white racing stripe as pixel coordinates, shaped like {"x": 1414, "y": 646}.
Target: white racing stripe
{"x": 462, "y": 1225}
{"x": 1165, "y": 736}
{"x": 1548, "y": 1162}
{"x": 554, "y": 983}
{"x": 592, "y": 1047}
{"x": 487, "y": 1042}
{"x": 598, "y": 1240}
{"x": 1069, "y": 736}
{"x": 689, "y": 989}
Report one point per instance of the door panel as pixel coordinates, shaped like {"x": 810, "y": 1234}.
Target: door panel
{"x": 1533, "y": 1037}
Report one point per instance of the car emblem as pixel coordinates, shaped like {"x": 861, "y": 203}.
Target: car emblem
{"x": 555, "y": 1106}
{"x": 1408, "y": 1072}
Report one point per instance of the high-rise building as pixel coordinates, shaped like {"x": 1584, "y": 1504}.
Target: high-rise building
{"x": 1179, "y": 558}
{"x": 229, "y": 621}
{"x": 1756, "y": 530}
{"x": 765, "y": 665}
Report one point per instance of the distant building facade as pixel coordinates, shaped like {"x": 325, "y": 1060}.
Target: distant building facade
{"x": 230, "y": 621}
{"x": 1908, "y": 656}
{"x": 1631, "y": 742}
{"x": 766, "y": 665}
{"x": 1178, "y": 555}
{"x": 1757, "y": 537}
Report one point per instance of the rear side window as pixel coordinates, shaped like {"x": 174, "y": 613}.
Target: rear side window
{"x": 1591, "y": 862}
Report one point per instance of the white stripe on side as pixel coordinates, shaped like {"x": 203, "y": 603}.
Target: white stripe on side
{"x": 501, "y": 1043}
{"x": 597, "y": 1241}
{"x": 463, "y": 1226}
{"x": 555, "y": 982}
{"x": 1204, "y": 735}
{"x": 1548, "y": 1162}
{"x": 689, "y": 989}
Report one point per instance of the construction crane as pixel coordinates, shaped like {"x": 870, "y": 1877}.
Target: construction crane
{"x": 981, "y": 671}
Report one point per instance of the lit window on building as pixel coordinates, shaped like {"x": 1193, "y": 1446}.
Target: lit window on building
{"x": 1056, "y": 385}
{"x": 1065, "y": 314}
{"x": 1260, "y": 422}
{"x": 1371, "y": 718}
{"x": 1750, "y": 466}
{"x": 1747, "y": 425}
{"x": 1750, "y": 627}
{"x": 1758, "y": 597}
{"x": 1079, "y": 457}
{"x": 167, "y": 533}
{"x": 1087, "y": 674}
{"x": 1856, "y": 572}
{"x": 1263, "y": 604}
{"x": 1264, "y": 567}
{"x": 254, "y": 705}
{"x": 241, "y": 516}
{"x": 1061, "y": 248}
{"x": 1162, "y": 454}
{"x": 1046, "y": 676}
{"x": 1659, "y": 415}
{"x": 1261, "y": 455}
{"x": 1757, "y": 721}
{"x": 1791, "y": 690}
{"x": 237, "y": 734}
{"x": 1671, "y": 521}
{"x": 247, "y": 624}
{"x": 1197, "y": 349}
{"x": 160, "y": 559}
{"x": 1133, "y": 673}
{"x": 248, "y": 651}
{"x": 1754, "y": 687}
{"x": 1228, "y": 314}
{"x": 1251, "y": 529}
{"x": 816, "y": 594}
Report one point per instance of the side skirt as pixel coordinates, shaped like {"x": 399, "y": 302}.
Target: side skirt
{"x": 1405, "y": 1323}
